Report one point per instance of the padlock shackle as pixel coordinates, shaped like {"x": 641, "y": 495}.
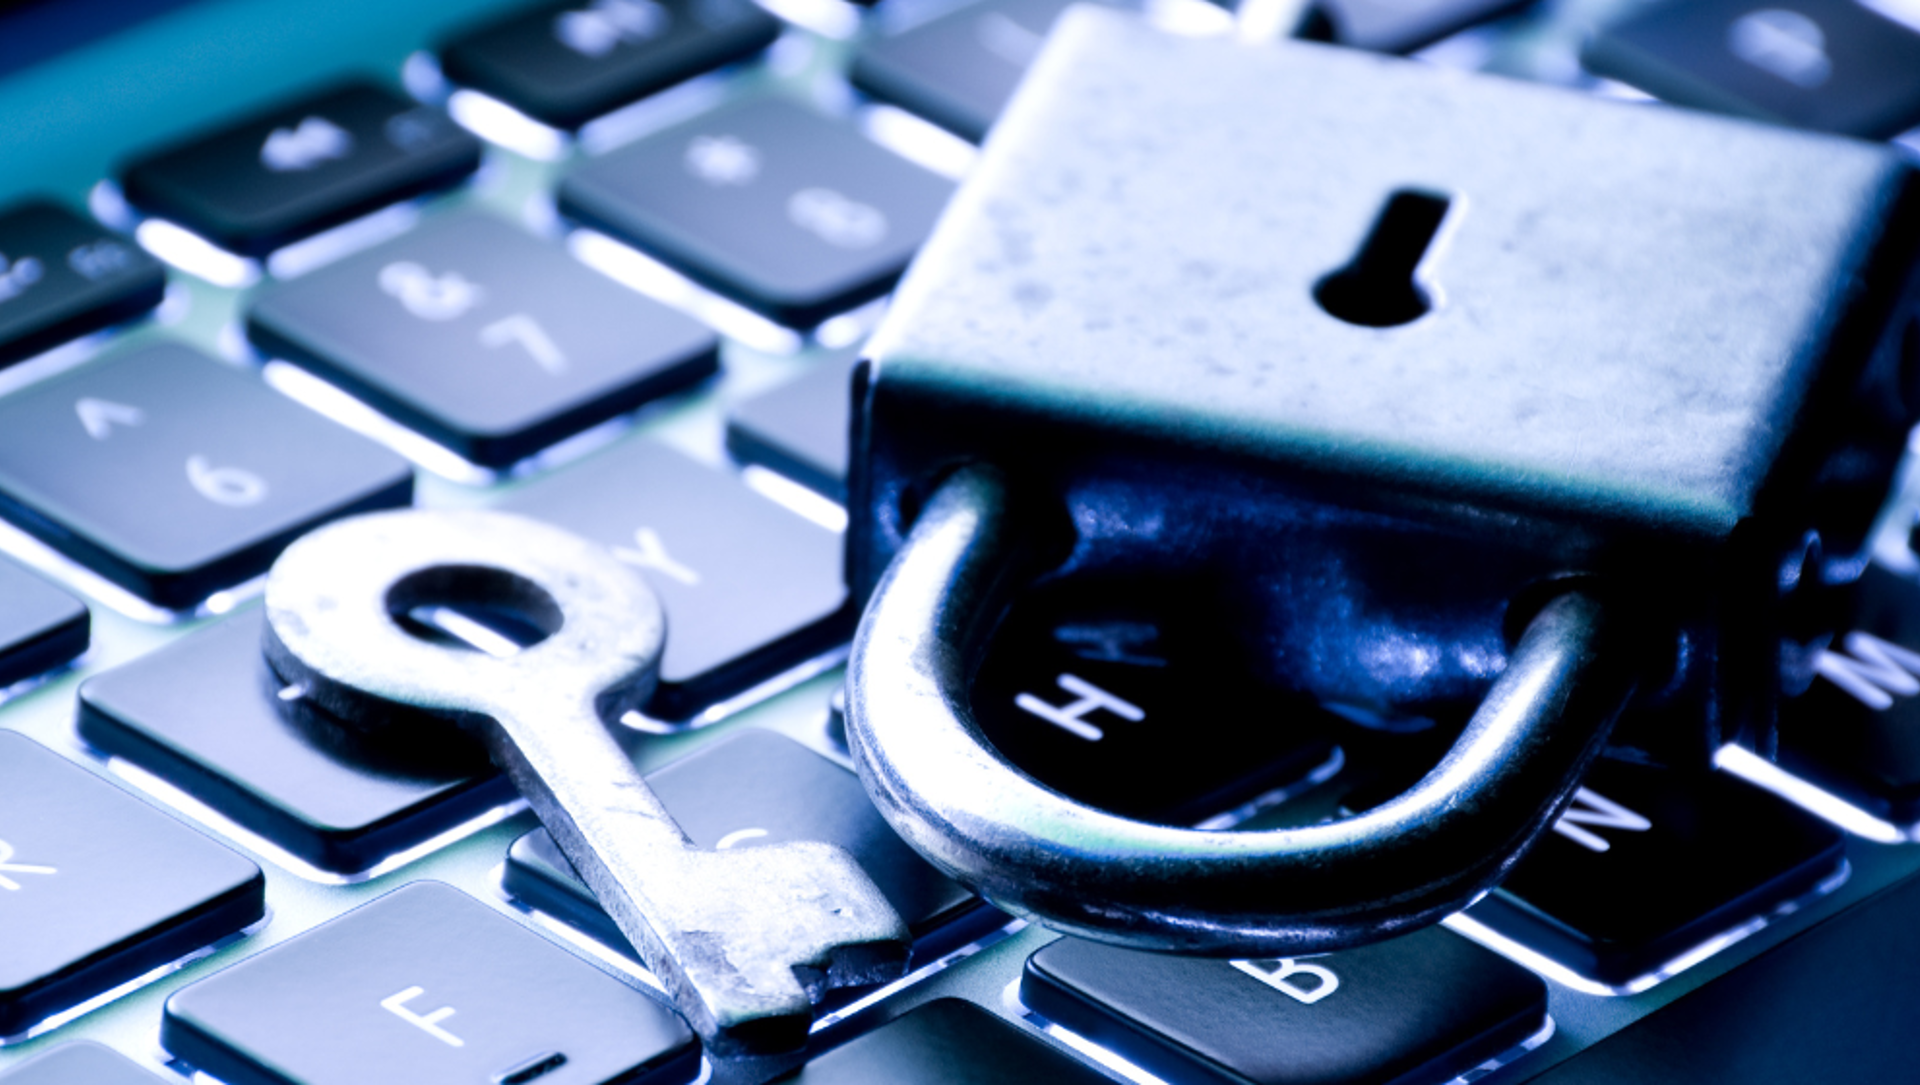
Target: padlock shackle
{"x": 1031, "y": 851}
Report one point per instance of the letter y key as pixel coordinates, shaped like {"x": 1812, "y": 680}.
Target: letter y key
{"x": 744, "y": 939}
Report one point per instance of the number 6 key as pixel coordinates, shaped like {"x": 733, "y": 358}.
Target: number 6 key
{"x": 745, "y": 939}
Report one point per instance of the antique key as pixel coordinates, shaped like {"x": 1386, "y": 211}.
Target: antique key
{"x": 744, "y": 939}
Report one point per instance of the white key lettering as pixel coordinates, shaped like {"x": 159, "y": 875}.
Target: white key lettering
{"x": 1872, "y": 671}
{"x": 234, "y": 487}
{"x": 1284, "y": 975}
{"x": 429, "y": 296}
{"x": 1072, "y": 717}
{"x": 722, "y": 160}
{"x": 527, "y": 332}
{"x": 653, "y": 555}
{"x": 99, "y": 416}
{"x": 413, "y": 129}
{"x": 595, "y": 30}
{"x": 17, "y": 276}
{"x": 836, "y": 219}
{"x": 98, "y": 259}
{"x": 1782, "y": 43}
{"x": 1592, "y": 808}
{"x": 293, "y": 150}
{"x": 429, "y": 1023}
{"x": 1113, "y": 642}
{"x": 6, "y": 868}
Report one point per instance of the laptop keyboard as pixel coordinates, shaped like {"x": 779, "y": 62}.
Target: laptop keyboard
{"x": 606, "y": 264}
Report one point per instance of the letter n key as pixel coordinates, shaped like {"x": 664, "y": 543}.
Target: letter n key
{"x": 743, "y": 939}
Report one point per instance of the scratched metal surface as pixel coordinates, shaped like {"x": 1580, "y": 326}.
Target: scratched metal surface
{"x": 68, "y": 120}
{"x": 1595, "y": 256}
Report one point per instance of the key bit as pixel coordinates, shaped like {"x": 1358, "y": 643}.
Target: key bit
{"x": 744, "y": 940}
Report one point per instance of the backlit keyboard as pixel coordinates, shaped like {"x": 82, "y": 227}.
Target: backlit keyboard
{"x": 607, "y": 263}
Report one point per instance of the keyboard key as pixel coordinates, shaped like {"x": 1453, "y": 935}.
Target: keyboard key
{"x": 488, "y": 341}
{"x": 949, "y": 1042}
{"x": 207, "y": 715}
{"x": 1426, "y": 1007}
{"x": 750, "y": 588}
{"x": 62, "y": 277}
{"x": 299, "y": 167}
{"x": 174, "y": 475}
{"x": 1138, "y": 708}
{"x": 792, "y": 213}
{"x": 1395, "y": 26}
{"x": 422, "y": 986}
{"x": 566, "y": 63}
{"x": 41, "y": 627}
{"x": 79, "y": 1064}
{"x": 958, "y": 70}
{"x": 1856, "y": 729}
{"x": 1830, "y": 1004}
{"x": 799, "y": 429}
{"x": 97, "y": 888}
{"x": 757, "y": 787}
{"x": 1649, "y": 863}
{"x": 1832, "y": 65}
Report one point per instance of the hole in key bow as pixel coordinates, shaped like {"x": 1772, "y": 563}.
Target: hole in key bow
{"x": 476, "y": 607}
{"x": 1380, "y": 287}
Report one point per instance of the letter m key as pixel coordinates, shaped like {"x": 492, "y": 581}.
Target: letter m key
{"x": 1872, "y": 671}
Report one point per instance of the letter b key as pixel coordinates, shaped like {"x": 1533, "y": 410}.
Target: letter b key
{"x": 744, "y": 939}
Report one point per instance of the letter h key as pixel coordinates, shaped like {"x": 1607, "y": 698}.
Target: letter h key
{"x": 744, "y": 939}
{"x": 1439, "y": 389}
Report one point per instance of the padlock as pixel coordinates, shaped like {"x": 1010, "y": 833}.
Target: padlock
{"x": 1442, "y": 388}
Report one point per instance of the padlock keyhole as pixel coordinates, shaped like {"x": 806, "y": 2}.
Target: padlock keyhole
{"x": 1380, "y": 287}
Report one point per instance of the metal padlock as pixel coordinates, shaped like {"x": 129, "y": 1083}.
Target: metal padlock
{"x": 1463, "y": 390}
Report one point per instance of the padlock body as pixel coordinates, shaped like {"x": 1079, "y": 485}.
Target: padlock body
{"x": 1659, "y": 348}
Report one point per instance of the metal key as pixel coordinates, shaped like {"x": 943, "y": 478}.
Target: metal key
{"x": 744, "y": 940}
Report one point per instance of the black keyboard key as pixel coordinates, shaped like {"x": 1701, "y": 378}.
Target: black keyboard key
{"x": 1832, "y": 65}
{"x": 1139, "y": 706}
{"x": 488, "y": 341}
{"x": 41, "y": 626}
{"x": 207, "y": 715}
{"x": 1395, "y": 26}
{"x": 949, "y": 1042}
{"x": 799, "y": 429}
{"x": 299, "y": 167}
{"x": 757, "y": 787}
{"x": 750, "y": 588}
{"x": 79, "y": 1064}
{"x": 1649, "y": 863}
{"x": 566, "y": 63}
{"x": 1832, "y": 1004}
{"x": 1423, "y": 1007}
{"x": 1856, "y": 729}
{"x": 174, "y": 475}
{"x": 959, "y": 69}
{"x": 62, "y": 277}
{"x": 424, "y": 985}
{"x": 97, "y": 888}
{"x": 792, "y": 213}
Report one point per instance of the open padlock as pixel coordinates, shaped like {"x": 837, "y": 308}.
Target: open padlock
{"x": 1470, "y": 389}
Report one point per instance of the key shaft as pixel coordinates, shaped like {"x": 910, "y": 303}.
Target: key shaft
{"x": 726, "y": 932}
{"x": 744, "y": 940}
